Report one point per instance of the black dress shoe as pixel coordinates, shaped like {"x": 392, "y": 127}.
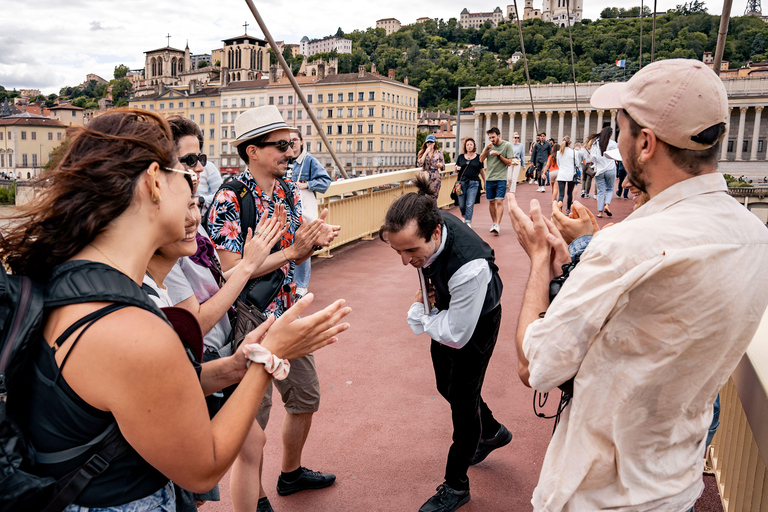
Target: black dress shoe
{"x": 307, "y": 480}
{"x": 447, "y": 499}
{"x": 486, "y": 446}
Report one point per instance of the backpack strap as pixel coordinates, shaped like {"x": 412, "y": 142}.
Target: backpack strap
{"x": 78, "y": 282}
{"x": 68, "y": 488}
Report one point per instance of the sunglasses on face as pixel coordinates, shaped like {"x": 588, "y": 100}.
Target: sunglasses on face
{"x": 191, "y": 160}
{"x": 190, "y": 176}
{"x": 282, "y": 145}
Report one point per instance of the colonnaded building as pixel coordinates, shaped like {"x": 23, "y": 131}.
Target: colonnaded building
{"x": 561, "y": 111}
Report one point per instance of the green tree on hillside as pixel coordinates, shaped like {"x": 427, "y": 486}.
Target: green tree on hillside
{"x": 120, "y": 71}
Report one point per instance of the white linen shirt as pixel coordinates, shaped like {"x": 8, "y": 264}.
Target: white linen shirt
{"x": 654, "y": 319}
{"x": 602, "y": 163}
{"x": 454, "y": 326}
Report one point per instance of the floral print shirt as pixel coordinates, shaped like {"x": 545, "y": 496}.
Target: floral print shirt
{"x": 226, "y": 233}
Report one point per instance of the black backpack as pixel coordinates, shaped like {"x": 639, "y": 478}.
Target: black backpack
{"x": 23, "y": 307}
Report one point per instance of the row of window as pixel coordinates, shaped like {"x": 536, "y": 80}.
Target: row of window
{"x": 24, "y": 160}
{"x": 386, "y": 129}
{"x": 33, "y": 135}
{"x": 386, "y": 161}
{"x": 180, "y": 104}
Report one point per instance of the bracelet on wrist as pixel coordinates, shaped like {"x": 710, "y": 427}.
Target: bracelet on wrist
{"x": 276, "y": 367}
{"x": 285, "y": 256}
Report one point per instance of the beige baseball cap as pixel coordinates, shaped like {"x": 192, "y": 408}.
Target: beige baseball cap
{"x": 675, "y": 98}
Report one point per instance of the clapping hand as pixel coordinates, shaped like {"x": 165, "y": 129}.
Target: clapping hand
{"x": 538, "y": 237}
{"x": 327, "y": 232}
{"x": 259, "y": 243}
{"x": 581, "y": 221}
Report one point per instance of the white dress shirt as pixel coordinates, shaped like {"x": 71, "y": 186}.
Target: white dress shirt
{"x": 654, "y": 319}
{"x": 454, "y": 326}
{"x": 602, "y": 163}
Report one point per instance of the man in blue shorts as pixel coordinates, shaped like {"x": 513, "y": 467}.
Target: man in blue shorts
{"x": 499, "y": 154}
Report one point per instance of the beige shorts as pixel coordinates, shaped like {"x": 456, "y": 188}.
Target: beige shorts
{"x": 300, "y": 390}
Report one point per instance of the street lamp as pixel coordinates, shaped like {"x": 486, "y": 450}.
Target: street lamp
{"x": 458, "y": 120}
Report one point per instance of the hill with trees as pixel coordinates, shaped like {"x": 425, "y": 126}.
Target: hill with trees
{"x": 439, "y": 56}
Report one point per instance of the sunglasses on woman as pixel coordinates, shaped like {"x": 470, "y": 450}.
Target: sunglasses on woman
{"x": 190, "y": 176}
{"x": 191, "y": 160}
{"x": 282, "y": 145}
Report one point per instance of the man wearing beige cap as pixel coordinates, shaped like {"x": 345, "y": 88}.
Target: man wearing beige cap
{"x": 653, "y": 319}
{"x": 264, "y": 143}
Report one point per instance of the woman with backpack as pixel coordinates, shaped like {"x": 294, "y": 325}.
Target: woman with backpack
{"x": 115, "y": 195}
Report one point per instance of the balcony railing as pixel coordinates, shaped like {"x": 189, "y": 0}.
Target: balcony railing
{"x": 740, "y": 447}
{"x": 359, "y": 204}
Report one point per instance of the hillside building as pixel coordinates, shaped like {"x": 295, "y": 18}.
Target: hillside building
{"x": 388, "y": 24}
{"x": 475, "y": 20}
{"x": 327, "y": 44}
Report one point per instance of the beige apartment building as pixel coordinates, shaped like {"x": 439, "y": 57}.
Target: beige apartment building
{"x": 202, "y": 107}
{"x": 369, "y": 119}
{"x": 388, "y": 24}
{"x": 68, "y": 114}
{"x": 26, "y": 143}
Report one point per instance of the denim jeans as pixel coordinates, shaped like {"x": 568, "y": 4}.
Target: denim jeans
{"x": 164, "y": 500}
{"x": 301, "y": 274}
{"x": 459, "y": 374}
{"x": 715, "y": 420}
{"x": 467, "y": 199}
{"x": 605, "y": 183}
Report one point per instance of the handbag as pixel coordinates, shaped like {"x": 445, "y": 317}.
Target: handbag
{"x": 247, "y": 318}
{"x": 457, "y": 188}
{"x": 309, "y": 205}
{"x": 576, "y": 171}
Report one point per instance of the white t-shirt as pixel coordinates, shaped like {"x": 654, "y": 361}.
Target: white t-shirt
{"x": 565, "y": 163}
{"x": 186, "y": 279}
{"x": 602, "y": 163}
{"x": 163, "y": 300}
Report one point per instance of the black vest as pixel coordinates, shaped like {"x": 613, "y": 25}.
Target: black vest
{"x": 462, "y": 245}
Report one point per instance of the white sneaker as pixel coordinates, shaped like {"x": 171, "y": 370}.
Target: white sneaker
{"x": 302, "y": 291}
{"x": 469, "y": 225}
{"x": 495, "y": 228}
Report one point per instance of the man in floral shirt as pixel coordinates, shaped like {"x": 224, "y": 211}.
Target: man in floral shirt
{"x": 265, "y": 146}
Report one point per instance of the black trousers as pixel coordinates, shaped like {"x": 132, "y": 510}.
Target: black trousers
{"x": 541, "y": 177}
{"x": 459, "y": 374}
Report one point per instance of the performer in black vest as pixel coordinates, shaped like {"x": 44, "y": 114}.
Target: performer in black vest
{"x": 461, "y": 284}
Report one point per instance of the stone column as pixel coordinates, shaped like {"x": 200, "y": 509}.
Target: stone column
{"x": 511, "y": 124}
{"x": 586, "y": 123}
{"x": 740, "y": 139}
{"x": 561, "y": 115}
{"x": 574, "y": 119}
{"x": 500, "y": 125}
{"x": 487, "y": 122}
{"x": 549, "y": 123}
{"x": 523, "y": 129}
{"x": 599, "y": 121}
{"x": 613, "y": 122}
{"x": 756, "y": 132}
{"x": 536, "y": 125}
{"x": 477, "y": 127}
{"x": 724, "y": 150}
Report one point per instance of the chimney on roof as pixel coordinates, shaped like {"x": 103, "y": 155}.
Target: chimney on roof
{"x": 373, "y": 69}
{"x": 321, "y": 71}
{"x": 391, "y": 74}
{"x": 192, "y": 86}
{"x": 361, "y": 71}
{"x": 273, "y": 74}
{"x": 405, "y": 80}
{"x": 224, "y": 77}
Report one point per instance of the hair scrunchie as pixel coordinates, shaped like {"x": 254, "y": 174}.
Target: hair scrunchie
{"x": 278, "y": 368}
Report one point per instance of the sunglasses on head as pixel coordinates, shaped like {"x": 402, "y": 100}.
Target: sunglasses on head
{"x": 190, "y": 176}
{"x": 282, "y": 145}
{"x": 191, "y": 160}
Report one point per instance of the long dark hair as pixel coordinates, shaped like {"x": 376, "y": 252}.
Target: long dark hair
{"x": 418, "y": 206}
{"x": 91, "y": 183}
{"x": 605, "y": 137}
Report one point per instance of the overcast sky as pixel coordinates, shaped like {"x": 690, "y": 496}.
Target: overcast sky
{"x": 47, "y": 45}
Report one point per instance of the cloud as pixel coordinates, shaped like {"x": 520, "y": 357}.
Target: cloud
{"x": 96, "y": 25}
